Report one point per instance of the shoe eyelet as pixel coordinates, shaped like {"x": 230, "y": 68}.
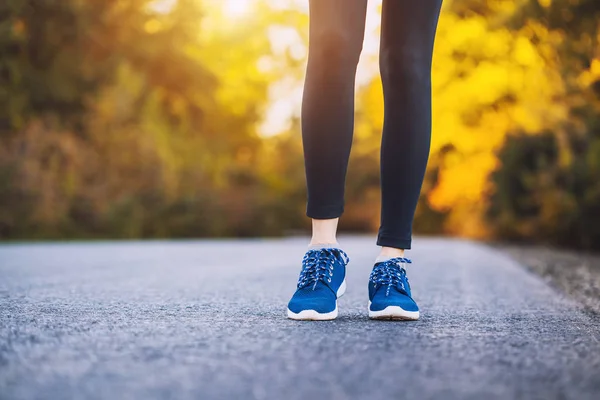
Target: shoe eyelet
{"x": 329, "y": 280}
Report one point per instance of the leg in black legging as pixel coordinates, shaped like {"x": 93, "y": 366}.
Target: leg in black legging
{"x": 335, "y": 42}
{"x": 407, "y": 35}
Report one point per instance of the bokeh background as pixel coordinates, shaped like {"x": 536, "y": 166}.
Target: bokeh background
{"x": 180, "y": 118}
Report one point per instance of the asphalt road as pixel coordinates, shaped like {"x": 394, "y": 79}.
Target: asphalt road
{"x": 206, "y": 320}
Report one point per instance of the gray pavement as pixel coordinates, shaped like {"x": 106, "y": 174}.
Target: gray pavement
{"x": 206, "y": 320}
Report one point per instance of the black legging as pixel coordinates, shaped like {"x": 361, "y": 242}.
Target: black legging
{"x": 336, "y": 36}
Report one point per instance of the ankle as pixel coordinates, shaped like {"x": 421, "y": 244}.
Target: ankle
{"x": 324, "y": 231}
{"x": 390, "y": 252}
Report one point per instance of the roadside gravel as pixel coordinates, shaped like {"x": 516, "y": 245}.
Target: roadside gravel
{"x": 576, "y": 274}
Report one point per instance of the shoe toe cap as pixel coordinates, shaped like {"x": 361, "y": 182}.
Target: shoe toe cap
{"x": 380, "y": 301}
{"x": 318, "y": 300}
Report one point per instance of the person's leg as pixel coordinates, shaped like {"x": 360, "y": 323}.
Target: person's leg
{"x": 335, "y": 42}
{"x": 407, "y": 37}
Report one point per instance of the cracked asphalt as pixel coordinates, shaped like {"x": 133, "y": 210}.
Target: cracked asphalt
{"x": 206, "y": 320}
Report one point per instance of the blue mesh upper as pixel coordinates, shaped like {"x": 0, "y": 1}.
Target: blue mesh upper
{"x": 389, "y": 286}
{"x": 323, "y": 271}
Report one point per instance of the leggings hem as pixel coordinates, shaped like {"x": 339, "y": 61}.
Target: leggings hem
{"x": 324, "y": 212}
{"x": 395, "y": 242}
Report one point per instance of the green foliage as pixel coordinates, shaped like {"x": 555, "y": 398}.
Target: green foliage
{"x": 119, "y": 120}
{"x": 538, "y": 199}
{"x": 548, "y": 186}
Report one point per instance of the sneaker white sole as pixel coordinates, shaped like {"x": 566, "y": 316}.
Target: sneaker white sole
{"x": 312, "y": 315}
{"x": 393, "y": 313}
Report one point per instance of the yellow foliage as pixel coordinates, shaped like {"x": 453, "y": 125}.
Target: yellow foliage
{"x": 153, "y": 25}
{"x": 591, "y": 75}
{"x": 486, "y": 83}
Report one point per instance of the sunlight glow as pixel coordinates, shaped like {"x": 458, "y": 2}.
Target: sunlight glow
{"x": 162, "y": 6}
{"x": 286, "y": 96}
{"x": 237, "y": 8}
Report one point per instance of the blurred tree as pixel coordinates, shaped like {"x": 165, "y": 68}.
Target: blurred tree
{"x": 138, "y": 118}
{"x": 126, "y": 119}
{"x": 57, "y": 54}
{"x": 564, "y": 193}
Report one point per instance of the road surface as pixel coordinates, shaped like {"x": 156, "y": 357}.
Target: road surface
{"x": 206, "y": 320}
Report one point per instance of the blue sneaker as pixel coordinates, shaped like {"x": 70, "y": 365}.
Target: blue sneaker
{"x": 321, "y": 282}
{"x": 389, "y": 291}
